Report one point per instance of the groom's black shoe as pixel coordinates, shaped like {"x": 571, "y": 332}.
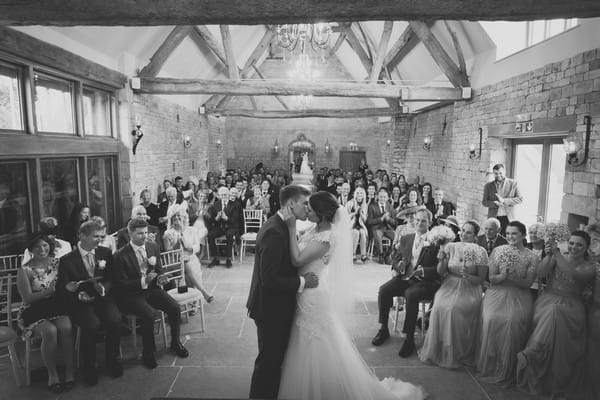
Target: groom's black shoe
{"x": 407, "y": 348}
{"x": 381, "y": 337}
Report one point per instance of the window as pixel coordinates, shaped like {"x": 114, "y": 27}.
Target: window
{"x": 96, "y": 112}
{"x": 54, "y": 104}
{"x": 101, "y": 189}
{"x": 14, "y": 207}
{"x": 60, "y": 189}
{"x": 511, "y": 37}
{"x": 10, "y": 99}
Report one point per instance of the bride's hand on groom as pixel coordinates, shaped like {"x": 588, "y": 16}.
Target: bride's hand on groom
{"x": 310, "y": 280}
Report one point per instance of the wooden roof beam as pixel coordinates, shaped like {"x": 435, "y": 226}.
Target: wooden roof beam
{"x": 383, "y": 43}
{"x": 166, "y": 48}
{"x": 234, "y": 72}
{"x": 310, "y": 113}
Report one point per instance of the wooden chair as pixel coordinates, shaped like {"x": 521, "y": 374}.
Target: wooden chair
{"x": 8, "y": 336}
{"x": 385, "y": 243}
{"x": 253, "y": 220}
{"x": 400, "y": 304}
{"x": 9, "y": 265}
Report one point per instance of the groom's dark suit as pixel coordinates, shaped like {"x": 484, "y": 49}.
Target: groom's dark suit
{"x": 271, "y": 303}
{"x": 413, "y": 289}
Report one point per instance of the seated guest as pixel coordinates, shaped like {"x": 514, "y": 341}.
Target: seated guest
{"x": 166, "y": 207}
{"x": 344, "y": 196}
{"x": 273, "y": 196}
{"x": 151, "y": 208}
{"x": 491, "y": 238}
{"x": 153, "y": 232}
{"x": 42, "y": 314}
{"x": 395, "y": 198}
{"x": 427, "y": 196}
{"x": 417, "y": 280}
{"x": 411, "y": 199}
{"x": 259, "y": 202}
{"x": 223, "y": 218}
{"x": 50, "y": 229}
{"x": 201, "y": 214}
{"x": 408, "y": 215}
{"x": 402, "y": 184}
{"x": 137, "y": 290}
{"x": 331, "y": 186}
{"x": 358, "y": 210}
{"x": 453, "y": 334}
{"x": 552, "y": 362}
{"x": 371, "y": 193}
{"x": 85, "y": 286}
{"x": 507, "y": 308}
{"x": 162, "y": 196}
{"x": 439, "y": 207}
{"x": 381, "y": 223}
{"x": 108, "y": 241}
{"x": 79, "y": 215}
{"x": 183, "y": 236}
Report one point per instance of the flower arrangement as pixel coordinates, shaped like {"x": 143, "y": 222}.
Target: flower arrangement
{"x": 101, "y": 264}
{"x": 507, "y": 257}
{"x": 440, "y": 235}
{"x": 554, "y": 232}
{"x": 470, "y": 253}
{"x": 152, "y": 261}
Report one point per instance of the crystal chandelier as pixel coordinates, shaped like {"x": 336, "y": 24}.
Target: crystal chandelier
{"x": 290, "y": 35}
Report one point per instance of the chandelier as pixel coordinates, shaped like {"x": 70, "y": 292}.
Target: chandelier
{"x": 290, "y": 35}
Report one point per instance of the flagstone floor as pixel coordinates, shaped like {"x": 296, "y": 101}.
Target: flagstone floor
{"x": 221, "y": 359}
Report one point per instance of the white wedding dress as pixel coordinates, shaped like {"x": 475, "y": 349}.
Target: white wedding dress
{"x": 304, "y": 167}
{"x": 322, "y": 361}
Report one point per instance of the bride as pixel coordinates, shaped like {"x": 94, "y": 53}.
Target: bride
{"x": 304, "y": 167}
{"x": 322, "y": 361}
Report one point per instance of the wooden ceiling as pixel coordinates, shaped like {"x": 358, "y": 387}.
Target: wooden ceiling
{"x": 251, "y": 12}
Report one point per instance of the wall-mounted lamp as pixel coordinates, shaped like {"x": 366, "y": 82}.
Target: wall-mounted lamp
{"x": 276, "y": 147}
{"x": 219, "y": 143}
{"x": 327, "y": 146}
{"x": 137, "y": 133}
{"x": 576, "y": 149}
{"x": 427, "y": 143}
{"x": 353, "y": 146}
{"x": 187, "y": 142}
{"x": 475, "y": 154}
{"x": 388, "y": 143}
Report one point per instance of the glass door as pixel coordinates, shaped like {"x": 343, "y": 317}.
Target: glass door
{"x": 539, "y": 168}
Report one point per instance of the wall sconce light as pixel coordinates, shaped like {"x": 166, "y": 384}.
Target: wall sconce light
{"x": 577, "y": 150}
{"x": 137, "y": 133}
{"x": 427, "y": 143}
{"x": 187, "y": 142}
{"x": 353, "y": 146}
{"x": 475, "y": 154}
{"x": 327, "y": 146}
{"x": 276, "y": 147}
{"x": 219, "y": 143}
{"x": 388, "y": 143}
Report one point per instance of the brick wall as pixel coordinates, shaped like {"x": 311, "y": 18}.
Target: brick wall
{"x": 570, "y": 87}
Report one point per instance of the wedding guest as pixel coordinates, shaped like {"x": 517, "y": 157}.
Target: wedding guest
{"x": 453, "y": 334}
{"x": 427, "y": 196}
{"x": 223, "y": 217}
{"x": 108, "y": 241}
{"x": 166, "y": 207}
{"x": 201, "y": 215}
{"x": 507, "y": 307}
{"x": 371, "y": 193}
{"x": 491, "y": 237}
{"x": 440, "y": 207}
{"x": 151, "y": 209}
{"x": 552, "y": 361}
{"x": 137, "y": 290}
{"x": 259, "y": 202}
{"x": 411, "y": 199}
{"x": 385, "y": 182}
{"x": 183, "y": 236}
{"x": 153, "y": 231}
{"x": 49, "y": 228}
{"x": 536, "y": 244}
{"x": 408, "y": 215}
{"x": 42, "y": 314}
{"x": 273, "y": 194}
{"x": 162, "y": 196}
{"x": 344, "y": 196}
{"x": 84, "y": 284}
{"x": 79, "y": 215}
{"x": 381, "y": 223}
{"x": 452, "y": 223}
{"x": 402, "y": 184}
{"x": 501, "y": 196}
{"x": 358, "y": 210}
{"x": 395, "y": 198}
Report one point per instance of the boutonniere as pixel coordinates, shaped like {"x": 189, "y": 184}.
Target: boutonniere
{"x": 101, "y": 264}
{"x": 152, "y": 261}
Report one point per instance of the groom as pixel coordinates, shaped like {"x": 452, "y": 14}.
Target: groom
{"x": 272, "y": 299}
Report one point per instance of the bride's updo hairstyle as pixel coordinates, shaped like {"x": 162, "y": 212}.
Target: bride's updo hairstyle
{"x": 324, "y": 204}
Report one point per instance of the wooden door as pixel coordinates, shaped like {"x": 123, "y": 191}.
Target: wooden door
{"x": 350, "y": 160}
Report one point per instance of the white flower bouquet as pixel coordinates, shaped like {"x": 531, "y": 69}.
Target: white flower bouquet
{"x": 555, "y": 232}
{"x": 507, "y": 257}
{"x": 440, "y": 235}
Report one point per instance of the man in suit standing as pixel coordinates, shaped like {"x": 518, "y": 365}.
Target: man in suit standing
{"x": 381, "y": 222}
{"x": 490, "y": 238}
{"x": 224, "y": 218}
{"x": 417, "y": 280}
{"x": 439, "y": 207}
{"x": 500, "y": 197}
{"x": 137, "y": 289}
{"x": 153, "y": 231}
{"x": 272, "y": 298}
{"x": 85, "y": 284}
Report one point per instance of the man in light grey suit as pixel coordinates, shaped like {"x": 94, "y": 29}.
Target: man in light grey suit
{"x": 500, "y": 197}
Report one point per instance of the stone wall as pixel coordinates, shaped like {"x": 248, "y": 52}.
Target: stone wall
{"x": 567, "y": 88}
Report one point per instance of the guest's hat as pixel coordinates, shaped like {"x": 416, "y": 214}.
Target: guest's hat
{"x": 452, "y": 220}
{"x": 410, "y": 210}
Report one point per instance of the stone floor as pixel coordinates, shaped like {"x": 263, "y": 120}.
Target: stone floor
{"x": 221, "y": 358}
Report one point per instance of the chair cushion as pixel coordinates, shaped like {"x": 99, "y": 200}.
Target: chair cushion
{"x": 7, "y": 335}
{"x": 191, "y": 295}
{"x": 249, "y": 236}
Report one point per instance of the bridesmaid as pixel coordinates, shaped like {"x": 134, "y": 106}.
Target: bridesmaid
{"x": 507, "y": 308}
{"x": 552, "y": 362}
{"x": 594, "y": 339}
{"x": 453, "y": 326}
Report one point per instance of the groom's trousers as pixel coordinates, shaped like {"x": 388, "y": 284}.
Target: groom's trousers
{"x": 273, "y": 338}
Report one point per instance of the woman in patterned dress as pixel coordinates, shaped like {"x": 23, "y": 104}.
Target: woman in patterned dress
{"x": 507, "y": 307}
{"x": 553, "y": 360}
{"x": 42, "y": 315}
{"x": 454, "y": 323}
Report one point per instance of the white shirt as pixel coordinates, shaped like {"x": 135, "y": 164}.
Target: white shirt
{"x": 416, "y": 250}
{"x": 136, "y": 250}
{"x": 500, "y": 191}
{"x": 302, "y": 280}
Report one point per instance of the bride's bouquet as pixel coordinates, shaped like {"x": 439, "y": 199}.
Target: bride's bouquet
{"x": 507, "y": 257}
{"x": 470, "y": 253}
{"x": 440, "y": 235}
{"x": 555, "y": 232}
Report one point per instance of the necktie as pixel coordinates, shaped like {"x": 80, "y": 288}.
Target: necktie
{"x": 91, "y": 262}
{"x": 382, "y": 208}
{"x": 142, "y": 260}
{"x": 490, "y": 246}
